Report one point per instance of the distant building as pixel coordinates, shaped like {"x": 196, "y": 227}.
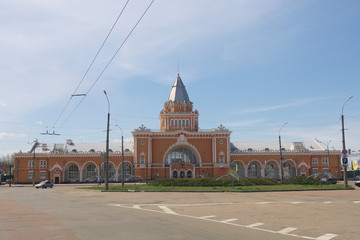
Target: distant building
{"x": 180, "y": 149}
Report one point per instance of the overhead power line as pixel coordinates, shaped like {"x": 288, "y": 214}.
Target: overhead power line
{"x": 92, "y": 62}
{"x": 107, "y": 65}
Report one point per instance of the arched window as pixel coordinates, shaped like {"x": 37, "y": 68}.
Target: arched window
{"x": 289, "y": 169}
{"x": 238, "y": 168}
{"x": 181, "y": 154}
{"x": 182, "y": 174}
{"x": 111, "y": 170}
{"x": 187, "y": 122}
{"x": 142, "y": 158}
{"x": 172, "y": 122}
{"x": 73, "y": 171}
{"x": 175, "y": 174}
{"x": 189, "y": 174}
{"x": 272, "y": 170}
{"x": 254, "y": 170}
{"x": 127, "y": 170}
{"x": 221, "y": 157}
{"x": 90, "y": 171}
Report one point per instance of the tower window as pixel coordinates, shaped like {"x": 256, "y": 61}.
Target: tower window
{"x": 172, "y": 122}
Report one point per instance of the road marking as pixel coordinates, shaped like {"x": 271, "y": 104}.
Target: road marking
{"x": 296, "y": 202}
{"x": 206, "y": 217}
{"x": 254, "y": 225}
{"x": 229, "y": 220}
{"x": 287, "y": 230}
{"x": 327, "y": 236}
{"x": 327, "y": 202}
{"x": 115, "y": 205}
{"x": 167, "y": 210}
{"x": 263, "y": 202}
{"x": 356, "y": 201}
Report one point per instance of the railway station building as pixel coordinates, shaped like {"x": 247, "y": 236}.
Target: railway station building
{"x": 179, "y": 149}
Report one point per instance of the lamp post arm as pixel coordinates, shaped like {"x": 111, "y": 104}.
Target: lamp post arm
{"x": 342, "y": 110}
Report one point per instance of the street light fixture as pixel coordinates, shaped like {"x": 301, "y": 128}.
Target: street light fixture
{"x": 344, "y": 151}
{"x": 106, "y": 163}
{"x": 122, "y": 156}
{"x": 281, "y": 156}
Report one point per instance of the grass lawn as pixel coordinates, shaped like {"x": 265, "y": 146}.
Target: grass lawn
{"x": 279, "y": 187}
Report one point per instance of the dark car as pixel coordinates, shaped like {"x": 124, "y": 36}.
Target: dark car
{"x": 329, "y": 180}
{"x": 44, "y": 184}
{"x": 357, "y": 183}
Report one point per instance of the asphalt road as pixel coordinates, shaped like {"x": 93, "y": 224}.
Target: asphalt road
{"x": 67, "y": 213}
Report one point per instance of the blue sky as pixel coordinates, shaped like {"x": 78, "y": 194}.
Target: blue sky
{"x": 250, "y": 65}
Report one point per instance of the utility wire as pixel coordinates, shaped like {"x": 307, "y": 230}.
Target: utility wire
{"x": 107, "y": 65}
{"x": 92, "y": 62}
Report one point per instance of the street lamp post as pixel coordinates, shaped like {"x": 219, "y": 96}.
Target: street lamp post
{"x": 122, "y": 156}
{"x": 343, "y": 140}
{"x": 106, "y": 163}
{"x": 281, "y": 156}
{"x": 36, "y": 144}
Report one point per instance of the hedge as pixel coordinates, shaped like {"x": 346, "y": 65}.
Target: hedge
{"x": 212, "y": 182}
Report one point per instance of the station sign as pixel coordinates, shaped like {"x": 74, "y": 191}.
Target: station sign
{"x": 345, "y": 160}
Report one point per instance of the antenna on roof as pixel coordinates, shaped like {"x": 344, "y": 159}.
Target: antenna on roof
{"x": 45, "y": 133}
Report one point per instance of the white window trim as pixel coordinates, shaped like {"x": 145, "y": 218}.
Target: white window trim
{"x": 32, "y": 175}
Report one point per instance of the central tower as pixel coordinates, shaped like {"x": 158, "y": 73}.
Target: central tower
{"x": 178, "y": 113}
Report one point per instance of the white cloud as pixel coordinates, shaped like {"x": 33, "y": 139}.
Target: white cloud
{"x": 8, "y": 135}
{"x": 245, "y": 123}
{"x": 3, "y": 104}
{"x": 298, "y": 102}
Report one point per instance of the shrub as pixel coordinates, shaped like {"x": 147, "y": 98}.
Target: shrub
{"x": 302, "y": 180}
{"x": 212, "y": 182}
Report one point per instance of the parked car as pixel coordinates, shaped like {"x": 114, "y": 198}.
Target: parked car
{"x": 329, "y": 180}
{"x": 357, "y": 183}
{"x": 44, "y": 184}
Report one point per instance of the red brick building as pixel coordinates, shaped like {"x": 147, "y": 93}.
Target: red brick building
{"x": 180, "y": 149}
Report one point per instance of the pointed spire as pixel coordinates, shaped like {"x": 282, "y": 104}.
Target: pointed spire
{"x": 178, "y": 91}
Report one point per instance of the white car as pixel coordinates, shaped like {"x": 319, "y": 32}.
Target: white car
{"x": 44, "y": 184}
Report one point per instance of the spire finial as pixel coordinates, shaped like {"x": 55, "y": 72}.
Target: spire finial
{"x": 178, "y": 67}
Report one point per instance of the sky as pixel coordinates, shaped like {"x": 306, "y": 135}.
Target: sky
{"x": 251, "y": 65}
